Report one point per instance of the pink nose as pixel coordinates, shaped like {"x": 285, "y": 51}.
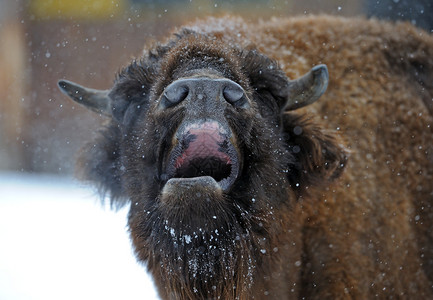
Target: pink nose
{"x": 209, "y": 126}
{"x": 206, "y": 139}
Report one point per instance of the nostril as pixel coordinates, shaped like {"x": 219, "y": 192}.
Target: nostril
{"x": 174, "y": 94}
{"x": 234, "y": 94}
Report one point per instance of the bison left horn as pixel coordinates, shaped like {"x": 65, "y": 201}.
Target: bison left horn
{"x": 96, "y": 100}
{"x": 307, "y": 89}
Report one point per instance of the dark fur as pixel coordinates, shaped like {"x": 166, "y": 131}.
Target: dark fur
{"x": 272, "y": 234}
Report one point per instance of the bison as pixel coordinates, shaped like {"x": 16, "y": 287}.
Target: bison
{"x": 240, "y": 187}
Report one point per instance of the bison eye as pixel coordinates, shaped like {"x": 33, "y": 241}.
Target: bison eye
{"x": 174, "y": 94}
{"x": 234, "y": 94}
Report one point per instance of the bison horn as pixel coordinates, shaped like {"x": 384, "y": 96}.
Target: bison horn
{"x": 96, "y": 100}
{"x": 307, "y": 89}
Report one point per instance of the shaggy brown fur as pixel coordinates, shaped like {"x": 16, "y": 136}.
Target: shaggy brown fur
{"x": 301, "y": 221}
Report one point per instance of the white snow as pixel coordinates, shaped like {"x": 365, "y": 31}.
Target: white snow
{"x": 58, "y": 242}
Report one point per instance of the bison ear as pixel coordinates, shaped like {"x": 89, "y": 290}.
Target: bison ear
{"x": 95, "y": 100}
{"x": 306, "y": 89}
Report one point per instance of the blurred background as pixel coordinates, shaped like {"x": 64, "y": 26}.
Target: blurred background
{"x": 53, "y": 245}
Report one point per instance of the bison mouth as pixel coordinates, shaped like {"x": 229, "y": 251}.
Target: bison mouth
{"x": 203, "y": 154}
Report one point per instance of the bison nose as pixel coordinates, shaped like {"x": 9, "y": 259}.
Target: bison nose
{"x": 175, "y": 93}
{"x": 234, "y": 94}
{"x": 203, "y": 88}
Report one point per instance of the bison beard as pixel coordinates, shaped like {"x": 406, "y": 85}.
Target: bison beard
{"x": 233, "y": 195}
{"x": 203, "y": 248}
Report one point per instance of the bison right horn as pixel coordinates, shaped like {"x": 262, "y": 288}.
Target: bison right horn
{"x": 307, "y": 89}
{"x": 96, "y": 100}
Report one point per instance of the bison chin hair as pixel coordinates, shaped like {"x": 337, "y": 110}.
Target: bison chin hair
{"x": 206, "y": 248}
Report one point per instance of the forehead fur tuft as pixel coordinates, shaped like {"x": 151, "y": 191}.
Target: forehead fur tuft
{"x": 194, "y": 51}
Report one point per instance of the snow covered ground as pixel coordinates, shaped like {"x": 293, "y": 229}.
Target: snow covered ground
{"x": 58, "y": 242}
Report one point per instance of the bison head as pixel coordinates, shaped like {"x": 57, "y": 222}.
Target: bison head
{"x": 199, "y": 144}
